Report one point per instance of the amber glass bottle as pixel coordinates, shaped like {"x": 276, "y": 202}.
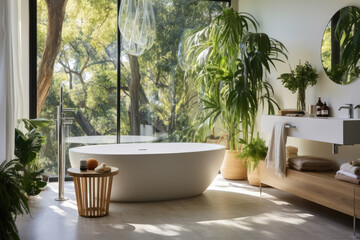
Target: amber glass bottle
{"x": 325, "y": 110}
{"x": 319, "y": 106}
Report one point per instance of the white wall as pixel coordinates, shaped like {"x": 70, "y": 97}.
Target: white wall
{"x": 299, "y": 25}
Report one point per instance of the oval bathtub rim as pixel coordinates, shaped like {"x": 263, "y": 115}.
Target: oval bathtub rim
{"x": 215, "y": 147}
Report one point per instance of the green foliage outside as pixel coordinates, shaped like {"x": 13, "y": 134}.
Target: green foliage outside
{"x": 342, "y": 68}
{"x": 87, "y": 65}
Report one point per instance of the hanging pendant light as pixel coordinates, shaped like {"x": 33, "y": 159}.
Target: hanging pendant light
{"x": 185, "y": 55}
{"x": 137, "y": 25}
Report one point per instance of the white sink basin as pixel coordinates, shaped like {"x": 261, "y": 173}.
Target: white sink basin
{"x": 333, "y": 130}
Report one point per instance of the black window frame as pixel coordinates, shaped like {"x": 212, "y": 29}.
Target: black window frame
{"x": 33, "y": 62}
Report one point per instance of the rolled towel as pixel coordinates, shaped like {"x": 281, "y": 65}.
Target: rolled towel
{"x": 102, "y": 168}
{"x": 291, "y": 149}
{"x": 355, "y": 162}
{"x": 348, "y": 174}
{"x": 289, "y": 155}
{"x": 345, "y": 178}
{"x": 347, "y": 167}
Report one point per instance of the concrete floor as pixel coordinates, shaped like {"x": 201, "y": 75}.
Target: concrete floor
{"x": 226, "y": 210}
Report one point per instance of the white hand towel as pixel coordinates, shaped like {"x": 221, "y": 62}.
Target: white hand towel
{"x": 348, "y": 174}
{"x": 276, "y": 155}
{"x": 347, "y": 167}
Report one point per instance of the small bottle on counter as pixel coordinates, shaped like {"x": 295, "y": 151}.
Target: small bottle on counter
{"x": 325, "y": 110}
{"x": 83, "y": 164}
{"x": 319, "y": 106}
{"x": 312, "y": 111}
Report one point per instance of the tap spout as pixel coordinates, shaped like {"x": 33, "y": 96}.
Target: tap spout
{"x": 350, "y": 108}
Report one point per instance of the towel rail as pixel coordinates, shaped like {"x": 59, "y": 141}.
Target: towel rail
{"x": 289, "y": 126}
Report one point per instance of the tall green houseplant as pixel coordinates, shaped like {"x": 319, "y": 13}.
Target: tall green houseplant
{"x": 232, "y": 58}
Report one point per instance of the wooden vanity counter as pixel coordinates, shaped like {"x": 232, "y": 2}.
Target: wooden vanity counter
{"x": 318, "y": 187}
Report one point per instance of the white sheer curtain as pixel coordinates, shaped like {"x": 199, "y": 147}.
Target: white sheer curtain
{"x": 13, "y": 69}
{"x": 3, "y": 81}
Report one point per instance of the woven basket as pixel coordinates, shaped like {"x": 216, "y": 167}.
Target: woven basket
{"x": 233, "y": 167}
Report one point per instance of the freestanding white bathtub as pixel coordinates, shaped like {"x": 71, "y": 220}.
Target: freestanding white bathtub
{"x": 156, "y": 171}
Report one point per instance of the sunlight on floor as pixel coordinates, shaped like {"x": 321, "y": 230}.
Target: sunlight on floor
{"x": 226, "y": 210}
{"x": 230, "y": 186}
{"x": 168, "y": 230}
{"x": 58, "y": 210}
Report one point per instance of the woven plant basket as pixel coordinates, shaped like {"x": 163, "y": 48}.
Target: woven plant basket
{"x": 233, "y": 167}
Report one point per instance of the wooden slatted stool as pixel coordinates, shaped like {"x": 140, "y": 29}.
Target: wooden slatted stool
{"x": 92, "y": 190}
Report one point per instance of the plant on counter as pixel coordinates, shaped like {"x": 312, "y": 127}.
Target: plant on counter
{"x": 298, "y": 80}
{"x": 13, "y": 200}
{"x": 27, "y": 147}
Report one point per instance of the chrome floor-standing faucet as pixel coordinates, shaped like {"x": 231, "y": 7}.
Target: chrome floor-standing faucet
{"x": 61, "y": 121}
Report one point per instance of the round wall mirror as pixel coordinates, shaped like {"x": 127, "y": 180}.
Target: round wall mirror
{"x": 340, "y": 49}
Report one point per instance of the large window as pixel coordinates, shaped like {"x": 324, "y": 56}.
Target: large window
{"x": 146, "y": 98}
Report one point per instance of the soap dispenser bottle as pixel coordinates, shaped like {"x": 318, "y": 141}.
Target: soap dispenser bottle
{"x": 319, "y": 106}
{"x": 325, "y": 110}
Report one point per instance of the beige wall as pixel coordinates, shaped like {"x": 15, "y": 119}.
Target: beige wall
{"x": 299, "y": 25}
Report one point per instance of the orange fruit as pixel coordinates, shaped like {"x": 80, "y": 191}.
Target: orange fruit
{"x": 92, "y": 164}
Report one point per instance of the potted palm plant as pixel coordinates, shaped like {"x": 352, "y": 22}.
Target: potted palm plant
{"x": 231, "y": 59}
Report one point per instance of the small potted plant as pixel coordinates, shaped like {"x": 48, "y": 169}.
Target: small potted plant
{"x": 253, "y": 152}
{"x": 298, "y": 80}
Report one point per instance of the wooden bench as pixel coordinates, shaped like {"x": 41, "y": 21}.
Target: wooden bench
{"x": 318, "y": 187}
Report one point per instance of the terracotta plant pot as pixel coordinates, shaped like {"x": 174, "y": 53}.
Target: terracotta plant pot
{"x": 232, "y": 167}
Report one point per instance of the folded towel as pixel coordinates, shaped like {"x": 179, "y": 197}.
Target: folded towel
{"x": 345, "y": 178}
{"x": 276, "y": 155}
{"x": 347, "y": 167}
{"x": 348, "y": 174}
{"x": 290, "y": 155}
{"x": 102, "y": 168}
{"x": 355, "y": 163}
